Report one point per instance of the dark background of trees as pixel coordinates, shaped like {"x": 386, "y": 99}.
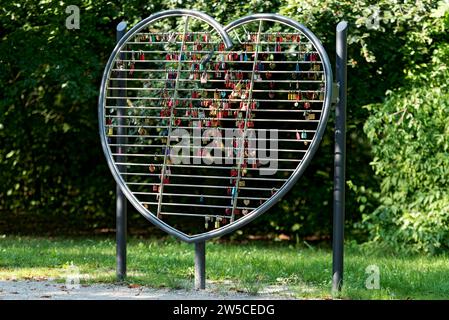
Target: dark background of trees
{"x": 53, "y": 175}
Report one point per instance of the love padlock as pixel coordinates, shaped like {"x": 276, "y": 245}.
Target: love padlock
{"x": 252, "y": 81}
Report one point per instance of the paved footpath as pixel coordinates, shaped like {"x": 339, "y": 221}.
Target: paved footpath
{"x": 51, "y": 290}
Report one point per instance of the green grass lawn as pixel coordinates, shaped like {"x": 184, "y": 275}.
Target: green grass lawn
{"x": 242, "y": 267}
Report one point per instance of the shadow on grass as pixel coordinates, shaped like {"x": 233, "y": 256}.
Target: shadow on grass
{"x": 251, "y": 268}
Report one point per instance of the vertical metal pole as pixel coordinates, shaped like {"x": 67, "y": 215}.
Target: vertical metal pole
{"x": 339, "y": 158}
{"x": 200, "y": 265}
{"x": 121, "y": 204}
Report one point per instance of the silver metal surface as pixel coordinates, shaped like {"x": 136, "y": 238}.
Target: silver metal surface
{"x": 286, "y": 87}
{"x": 340, "y": 158}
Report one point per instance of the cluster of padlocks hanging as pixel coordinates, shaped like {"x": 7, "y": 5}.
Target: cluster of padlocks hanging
{"x": 204, "y": 123}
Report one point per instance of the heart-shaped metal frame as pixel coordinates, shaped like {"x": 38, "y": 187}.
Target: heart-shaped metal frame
{"x": 223, "y": 32}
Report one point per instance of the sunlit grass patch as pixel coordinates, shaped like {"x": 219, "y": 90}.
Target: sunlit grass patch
{"x": 300, "y": 272}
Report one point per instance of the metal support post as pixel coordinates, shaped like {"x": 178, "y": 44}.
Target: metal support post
{"x": 121, "y": 203}
{"x": 339, "y": 158}
{"x": 200, "y": 265}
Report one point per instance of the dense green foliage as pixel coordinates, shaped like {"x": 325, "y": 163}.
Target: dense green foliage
{"x": 52, "y": 170}
{"x": 410, "y": 138}
{"x": 51, "y": 165}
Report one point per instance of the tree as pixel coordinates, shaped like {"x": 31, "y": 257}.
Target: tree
{"x": 409, "y": 134}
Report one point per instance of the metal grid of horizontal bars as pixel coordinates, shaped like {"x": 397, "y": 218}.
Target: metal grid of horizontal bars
{"x": 210, "y": 134}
